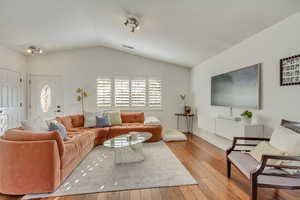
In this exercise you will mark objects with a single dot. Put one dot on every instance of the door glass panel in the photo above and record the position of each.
(45, 98)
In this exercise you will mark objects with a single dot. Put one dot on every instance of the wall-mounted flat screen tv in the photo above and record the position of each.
(237, 89)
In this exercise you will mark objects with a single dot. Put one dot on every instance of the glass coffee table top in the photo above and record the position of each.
(126, 140)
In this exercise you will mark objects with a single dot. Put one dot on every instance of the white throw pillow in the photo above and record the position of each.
(90, 119)
(291, 163)
(152, 121)
(36, 124)
(286, 140)
(265, 148)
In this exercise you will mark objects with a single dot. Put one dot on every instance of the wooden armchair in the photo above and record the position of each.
(262, 174)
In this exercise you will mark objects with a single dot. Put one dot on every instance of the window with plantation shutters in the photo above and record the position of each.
(138, 93)
(154, 93)
(129, 93)
(104, 92)
(122, 92)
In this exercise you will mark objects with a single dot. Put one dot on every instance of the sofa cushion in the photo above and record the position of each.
(136, 127)
(71, 152)
(81, 142)
(66, 121)
(132, 117)
(101, 135)
(77, 120)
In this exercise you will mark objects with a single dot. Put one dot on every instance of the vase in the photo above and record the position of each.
(187, 109)
(246, 120)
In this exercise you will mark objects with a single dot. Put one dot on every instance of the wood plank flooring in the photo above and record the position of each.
(207, 164)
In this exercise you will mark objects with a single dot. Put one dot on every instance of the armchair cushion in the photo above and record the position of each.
(244, 162)
(265, 148)
(277, 180)
(286, 140)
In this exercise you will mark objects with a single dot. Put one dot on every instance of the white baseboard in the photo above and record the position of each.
(214, 139)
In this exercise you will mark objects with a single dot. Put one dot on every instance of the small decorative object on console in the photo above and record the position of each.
(187, 108)
(290, 71)
(247, 117)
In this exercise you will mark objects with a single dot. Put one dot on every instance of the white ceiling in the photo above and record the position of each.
(183, 32)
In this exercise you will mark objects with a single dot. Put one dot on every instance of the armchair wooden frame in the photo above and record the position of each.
(263, 164)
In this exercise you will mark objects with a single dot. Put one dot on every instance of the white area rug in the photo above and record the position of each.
(98, 173)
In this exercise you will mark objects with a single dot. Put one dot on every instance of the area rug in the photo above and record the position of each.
(98, 173)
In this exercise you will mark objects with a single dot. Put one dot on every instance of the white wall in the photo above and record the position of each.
(268, 47)
(81, 67)
(17, 62)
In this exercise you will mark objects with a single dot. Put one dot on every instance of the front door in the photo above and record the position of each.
(46, 96)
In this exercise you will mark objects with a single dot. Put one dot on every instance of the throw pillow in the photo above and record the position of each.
(49, 121)
(115, 117)
(152, 121)
(102, 121)
(291, 163)
(36, 124)
(265, 148)
(60, 128)
(29, 125)
(90, 119)
(286, 140)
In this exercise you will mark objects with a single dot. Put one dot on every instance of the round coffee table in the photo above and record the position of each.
(128, 148)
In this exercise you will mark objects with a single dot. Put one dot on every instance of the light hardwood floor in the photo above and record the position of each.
(207, 164)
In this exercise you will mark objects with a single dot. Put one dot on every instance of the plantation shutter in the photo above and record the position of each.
(138, 93)
(122, 93)
(104, 92)
(154, 93)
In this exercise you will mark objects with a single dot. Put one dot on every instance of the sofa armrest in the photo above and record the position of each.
(29, 167)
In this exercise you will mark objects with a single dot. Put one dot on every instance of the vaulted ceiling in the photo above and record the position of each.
(184, 32)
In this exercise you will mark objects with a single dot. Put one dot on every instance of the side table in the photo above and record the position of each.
(189, 121)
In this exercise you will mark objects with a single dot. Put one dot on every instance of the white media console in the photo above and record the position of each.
(229, 127)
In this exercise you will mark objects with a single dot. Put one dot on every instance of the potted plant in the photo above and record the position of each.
(247, 117)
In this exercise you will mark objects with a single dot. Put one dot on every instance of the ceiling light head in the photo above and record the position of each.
(33, 50)
(132, 23)
(127, 47)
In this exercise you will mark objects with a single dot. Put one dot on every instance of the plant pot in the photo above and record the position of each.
(246, 120)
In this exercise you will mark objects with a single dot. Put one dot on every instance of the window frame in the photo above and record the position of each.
(130, 107)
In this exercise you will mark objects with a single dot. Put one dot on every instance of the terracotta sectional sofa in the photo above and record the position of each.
(40, 162)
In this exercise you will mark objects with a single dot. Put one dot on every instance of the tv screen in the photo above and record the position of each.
(240, 88)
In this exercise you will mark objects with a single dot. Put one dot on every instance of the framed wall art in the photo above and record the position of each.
(290, 71)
